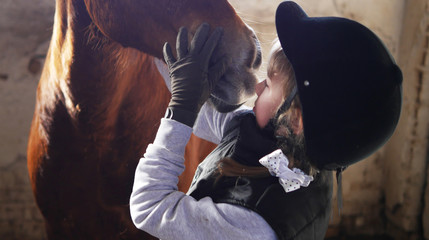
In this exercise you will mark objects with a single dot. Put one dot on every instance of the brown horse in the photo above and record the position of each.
(100, 99)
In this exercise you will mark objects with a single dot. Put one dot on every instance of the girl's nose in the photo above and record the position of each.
(259, 88)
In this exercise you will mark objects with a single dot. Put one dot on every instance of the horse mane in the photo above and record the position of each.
(95, 37)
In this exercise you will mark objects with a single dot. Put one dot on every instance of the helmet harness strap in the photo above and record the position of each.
(286, 105)
(340, 170)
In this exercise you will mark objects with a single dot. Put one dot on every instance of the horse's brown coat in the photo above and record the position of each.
(99, 102)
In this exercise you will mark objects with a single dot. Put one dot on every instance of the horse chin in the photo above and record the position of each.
(222, 106)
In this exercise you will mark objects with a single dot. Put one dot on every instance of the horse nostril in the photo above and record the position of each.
(258, 60)
(258, 56)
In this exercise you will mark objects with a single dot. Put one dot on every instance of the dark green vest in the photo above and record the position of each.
(301, 214)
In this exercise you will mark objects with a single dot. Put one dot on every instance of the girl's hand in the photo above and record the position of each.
(192, 79)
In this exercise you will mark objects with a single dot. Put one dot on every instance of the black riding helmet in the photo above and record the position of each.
(348, 84)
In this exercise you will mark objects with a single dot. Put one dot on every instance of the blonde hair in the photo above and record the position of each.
(279, 63)
(229, 167)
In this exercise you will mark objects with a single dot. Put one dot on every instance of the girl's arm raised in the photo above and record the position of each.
(158, 208)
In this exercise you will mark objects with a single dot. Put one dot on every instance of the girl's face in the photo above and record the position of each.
(271, 95)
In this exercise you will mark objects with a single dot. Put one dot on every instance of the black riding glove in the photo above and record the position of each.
(192, 79)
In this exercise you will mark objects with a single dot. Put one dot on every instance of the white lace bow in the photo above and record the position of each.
(291, 179)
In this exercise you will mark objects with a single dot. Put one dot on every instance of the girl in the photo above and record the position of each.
(319, 106)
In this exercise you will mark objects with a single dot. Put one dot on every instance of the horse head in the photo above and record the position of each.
(147, 25)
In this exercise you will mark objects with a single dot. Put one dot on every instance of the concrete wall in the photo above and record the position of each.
(385, 194)
(406, 159)
(25, 29)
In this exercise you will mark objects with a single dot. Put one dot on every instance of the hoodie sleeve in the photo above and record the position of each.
(211, 124)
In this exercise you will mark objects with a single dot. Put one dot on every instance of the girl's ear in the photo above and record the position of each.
(296, 121)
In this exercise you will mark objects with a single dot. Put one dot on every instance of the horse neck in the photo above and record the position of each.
(93, 76)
